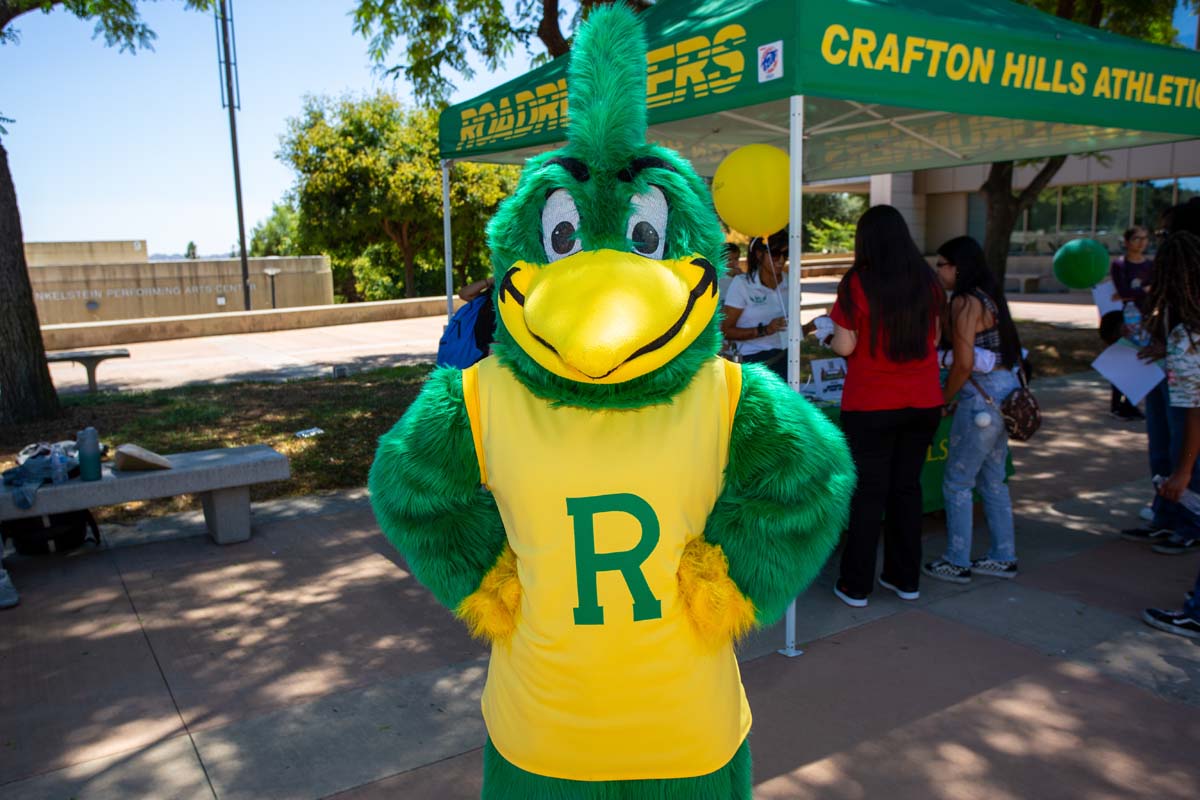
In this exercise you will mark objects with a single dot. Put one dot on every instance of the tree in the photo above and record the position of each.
(826, 216)
(437, 37)
(190, 250)
(368, 186)
(26, 390)
(278, 234)
(1142, 19)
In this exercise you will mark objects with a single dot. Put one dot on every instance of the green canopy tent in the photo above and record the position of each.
(856, 87)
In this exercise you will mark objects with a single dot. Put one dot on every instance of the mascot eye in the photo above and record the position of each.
(560, 226)
(648, 223)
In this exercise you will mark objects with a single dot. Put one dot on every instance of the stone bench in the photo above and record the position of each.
(89, 359)
(1027, 282)
(222, 478)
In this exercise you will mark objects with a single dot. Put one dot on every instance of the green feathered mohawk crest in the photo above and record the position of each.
(596, 199)
(606, 89)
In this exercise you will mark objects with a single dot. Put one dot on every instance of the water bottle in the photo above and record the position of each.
(88, 442)
(1133, 323)
(58, 465)
(1189, 499)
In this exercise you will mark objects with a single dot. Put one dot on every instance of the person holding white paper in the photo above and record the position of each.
(1132, 277)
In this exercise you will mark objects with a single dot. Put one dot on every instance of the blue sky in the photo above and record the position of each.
(108, 145)
(112, 146)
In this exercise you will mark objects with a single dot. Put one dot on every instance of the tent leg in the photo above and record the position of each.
(789, 645)
(795, 248)
(449, 247)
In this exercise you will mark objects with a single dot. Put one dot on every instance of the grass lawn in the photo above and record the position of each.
(354, 412)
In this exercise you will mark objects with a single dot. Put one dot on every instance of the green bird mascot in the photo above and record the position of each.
(605, 500)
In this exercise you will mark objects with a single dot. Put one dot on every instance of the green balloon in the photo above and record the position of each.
(1081, 263)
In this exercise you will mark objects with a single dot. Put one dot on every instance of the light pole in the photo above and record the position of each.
(227, 58)
(271, 272)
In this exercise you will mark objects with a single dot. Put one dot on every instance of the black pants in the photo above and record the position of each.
(889, 450)
(775, 359)
(1119, 404)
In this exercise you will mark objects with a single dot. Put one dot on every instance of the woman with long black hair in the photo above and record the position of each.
(979, 318)
(887, 322)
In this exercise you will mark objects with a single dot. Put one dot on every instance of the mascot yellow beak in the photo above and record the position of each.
(607, 316)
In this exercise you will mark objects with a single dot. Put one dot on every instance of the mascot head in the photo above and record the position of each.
(605, 286)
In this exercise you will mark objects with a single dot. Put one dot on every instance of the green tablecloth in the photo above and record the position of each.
(935, 461)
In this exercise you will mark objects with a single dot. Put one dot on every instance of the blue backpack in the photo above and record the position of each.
(458, 346)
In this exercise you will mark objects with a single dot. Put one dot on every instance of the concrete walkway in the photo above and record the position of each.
(307, 663)
(312, 352)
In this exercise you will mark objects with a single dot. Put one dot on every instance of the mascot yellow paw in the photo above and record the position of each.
(490, 612)
(717, 608)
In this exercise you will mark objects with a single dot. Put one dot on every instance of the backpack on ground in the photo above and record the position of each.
(459, 346)
(51, 533)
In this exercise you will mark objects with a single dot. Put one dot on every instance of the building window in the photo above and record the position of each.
(1188, 188)
(1153, 198)
(1114, 210)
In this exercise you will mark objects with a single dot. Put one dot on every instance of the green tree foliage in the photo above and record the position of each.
(26, 391)
(831, 236)
(826, 217)
(190, 250)
(278, 234)
(368, 192)
(435, 38)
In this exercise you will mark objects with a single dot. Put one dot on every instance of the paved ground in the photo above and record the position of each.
(307, 663)
(309, 352)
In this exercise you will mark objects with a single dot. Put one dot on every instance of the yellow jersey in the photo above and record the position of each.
(604, 677)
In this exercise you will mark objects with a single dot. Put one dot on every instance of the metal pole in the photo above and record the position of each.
(449, 248)
(272, 291)
(795, 249)
(795, 233)
(237, 172)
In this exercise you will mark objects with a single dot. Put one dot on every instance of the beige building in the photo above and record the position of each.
(103, 281)
(1097, 197)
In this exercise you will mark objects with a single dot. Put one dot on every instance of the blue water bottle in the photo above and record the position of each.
(1133, 323)
(58, 465)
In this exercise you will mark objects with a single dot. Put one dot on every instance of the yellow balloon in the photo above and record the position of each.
(750, 189)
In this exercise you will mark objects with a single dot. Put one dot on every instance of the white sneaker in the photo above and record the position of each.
(8, 592)
(903, 595)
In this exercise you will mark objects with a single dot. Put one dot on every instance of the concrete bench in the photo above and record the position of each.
(89, 359)
(222, 478)
(1027, 282)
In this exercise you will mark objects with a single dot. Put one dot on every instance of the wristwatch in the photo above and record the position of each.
(762, 330)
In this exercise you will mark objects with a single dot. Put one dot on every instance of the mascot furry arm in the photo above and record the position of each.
(604, 499)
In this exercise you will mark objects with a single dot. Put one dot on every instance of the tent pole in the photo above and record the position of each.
(449, 247)
(795, 248)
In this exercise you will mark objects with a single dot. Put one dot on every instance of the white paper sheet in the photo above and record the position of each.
(1102, 294)
(1123, 369)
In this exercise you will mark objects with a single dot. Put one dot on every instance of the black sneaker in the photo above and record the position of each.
(1146, 533)
(1176, 545)
(852, 599)
(943, 570)
(1175, 622)
(995, 569)
(901, 593)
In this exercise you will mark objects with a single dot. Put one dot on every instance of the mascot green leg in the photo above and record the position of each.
(504, 781)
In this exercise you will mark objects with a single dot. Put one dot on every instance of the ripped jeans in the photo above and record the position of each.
(976, 461)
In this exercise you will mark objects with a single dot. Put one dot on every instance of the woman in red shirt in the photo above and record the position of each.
(888, 319)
